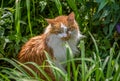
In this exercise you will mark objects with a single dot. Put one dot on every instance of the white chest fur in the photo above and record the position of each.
(58, 46)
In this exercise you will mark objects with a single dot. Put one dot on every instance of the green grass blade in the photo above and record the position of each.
(77, 72)
(109, 68)
(59, 6)
(33, 8)
(17, 67)
(29, 69)
(34, 73)
(70, 57)
(73, 63)
(41, 70)
(58, 72)
(117, 60)
(116, 76)
(82, 48)
(98, 60)
(5, 78)
(2, 4)
(17, 18)
(91, 70)
(14, 74)
(72, 4)
(13, 63)
(68, 64)
(28, 14)
(102, 4)
(63, 75)
(101, 74)
(96, 47)
(105, 62)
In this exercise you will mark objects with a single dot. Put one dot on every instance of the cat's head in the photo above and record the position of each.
(64, 27)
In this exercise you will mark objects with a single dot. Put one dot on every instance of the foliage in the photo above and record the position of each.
(89, 69)
(22, 19)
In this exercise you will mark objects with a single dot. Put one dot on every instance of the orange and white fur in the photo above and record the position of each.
(60, 30)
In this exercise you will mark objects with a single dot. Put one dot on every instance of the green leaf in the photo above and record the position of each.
(28, 14)
(82, 47)
(116, 77)
(109, 68)
(42, 5)
(102, 4)
(59, 6)
(4, 77)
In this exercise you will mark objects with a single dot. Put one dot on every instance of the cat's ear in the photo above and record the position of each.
(71, 17)
(50, 21)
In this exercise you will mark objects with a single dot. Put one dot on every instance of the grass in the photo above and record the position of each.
(17, 18)
(28, 14)
(59, 6)
(99, 58)
(89, 69)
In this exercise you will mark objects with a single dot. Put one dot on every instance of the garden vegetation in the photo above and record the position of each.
(99, 21)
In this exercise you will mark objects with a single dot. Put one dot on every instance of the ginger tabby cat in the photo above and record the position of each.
(60, 30)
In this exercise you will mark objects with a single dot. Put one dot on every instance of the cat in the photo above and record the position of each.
(60, 30)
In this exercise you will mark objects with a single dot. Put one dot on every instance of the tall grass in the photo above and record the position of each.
(82, 47)
(17, 19)
(59, 6)
(28, 14)
(98, 61)
(88, 70)
(92, 68)
(71, 62)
